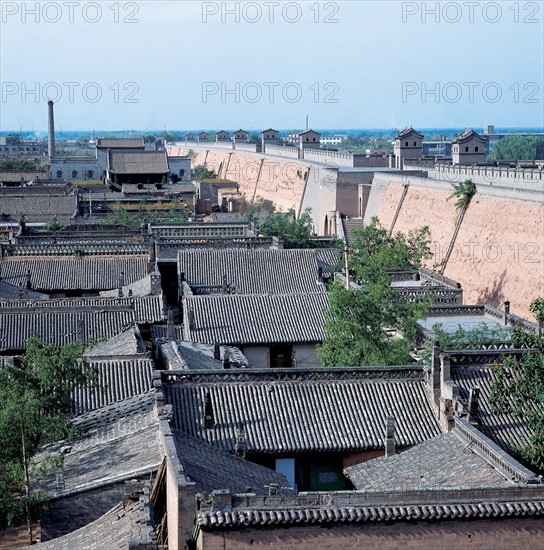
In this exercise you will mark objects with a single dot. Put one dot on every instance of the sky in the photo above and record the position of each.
(151, 65)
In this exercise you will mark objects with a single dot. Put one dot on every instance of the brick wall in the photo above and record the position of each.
(507, 534)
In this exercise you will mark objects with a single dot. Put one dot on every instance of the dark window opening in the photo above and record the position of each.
(281, 356)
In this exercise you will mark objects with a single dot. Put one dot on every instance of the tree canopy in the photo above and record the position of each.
(35, 401)
(295, 232)
(518, 389)
(518, 148)
(363, 326)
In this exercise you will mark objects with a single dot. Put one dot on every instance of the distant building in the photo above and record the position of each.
(190, 137)
(332, 140)
(468, 148)
(137, 167)
(241, 136)
(203, 136)
(408, 146)
(222, 136)
(441, 149)
(309, 139)
(12, 147)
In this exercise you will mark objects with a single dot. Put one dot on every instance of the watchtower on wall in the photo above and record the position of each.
(408, 146)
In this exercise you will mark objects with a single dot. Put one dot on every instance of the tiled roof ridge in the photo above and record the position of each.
(501, 461)
(359, 514)
(318, 374)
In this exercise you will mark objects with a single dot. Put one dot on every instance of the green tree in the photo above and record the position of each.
(463, 192)
(35, 401)
(202, 173)
(295, 232)
(518, 148)
(518, 389)
(362, 326)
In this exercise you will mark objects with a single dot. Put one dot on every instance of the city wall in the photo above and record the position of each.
(285, 182)
(499, 251)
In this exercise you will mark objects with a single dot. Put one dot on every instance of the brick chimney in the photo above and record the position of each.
(241, 446)
(390, 436)
(209, 421)
(50, 131)
(473, 400)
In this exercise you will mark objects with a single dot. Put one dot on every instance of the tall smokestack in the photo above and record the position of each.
(51, 131)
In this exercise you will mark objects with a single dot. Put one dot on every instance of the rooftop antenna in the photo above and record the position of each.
(306, 122)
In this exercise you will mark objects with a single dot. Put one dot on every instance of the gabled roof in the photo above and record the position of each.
(240, 131)
(309, 131)
(142, 287)
(120, 143)
(297, 410)
(120, 442)
(13, 292)
(466, 135)
(270, 130)
(117, 379)
(69, 273)
(213, 469)
(409, 132)
(222, 132)
(239, 319)
(74, 319)
(447, 460)
(138, 162)
(115, 530)
(129, 342)
(203, 134)
(255, 271)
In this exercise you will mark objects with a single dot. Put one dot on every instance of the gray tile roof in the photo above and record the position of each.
(120, 442)
(112, 531)
(138, 162)
(141, 287)
(70, 248)
(256, 271)
(129, 342)
(85, 273)
(444, 461)
(39, 207)
(213, 469)
(120, 143)
(255, 319)
(348, 507)
(407, 132)
(296, 411)
(194, 356)
(117, 379)
(466, 135)
(69, 320)
(13, 292)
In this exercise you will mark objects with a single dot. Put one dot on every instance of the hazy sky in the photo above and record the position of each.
(211, 65)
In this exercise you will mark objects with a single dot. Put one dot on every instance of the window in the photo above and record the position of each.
(74, 173)
(466, 149)
(476, 149)
(415, 143)
(59, 173)
(181, 173)
(314, 139)
(90, 173)
(406, 144)
(281, 356)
